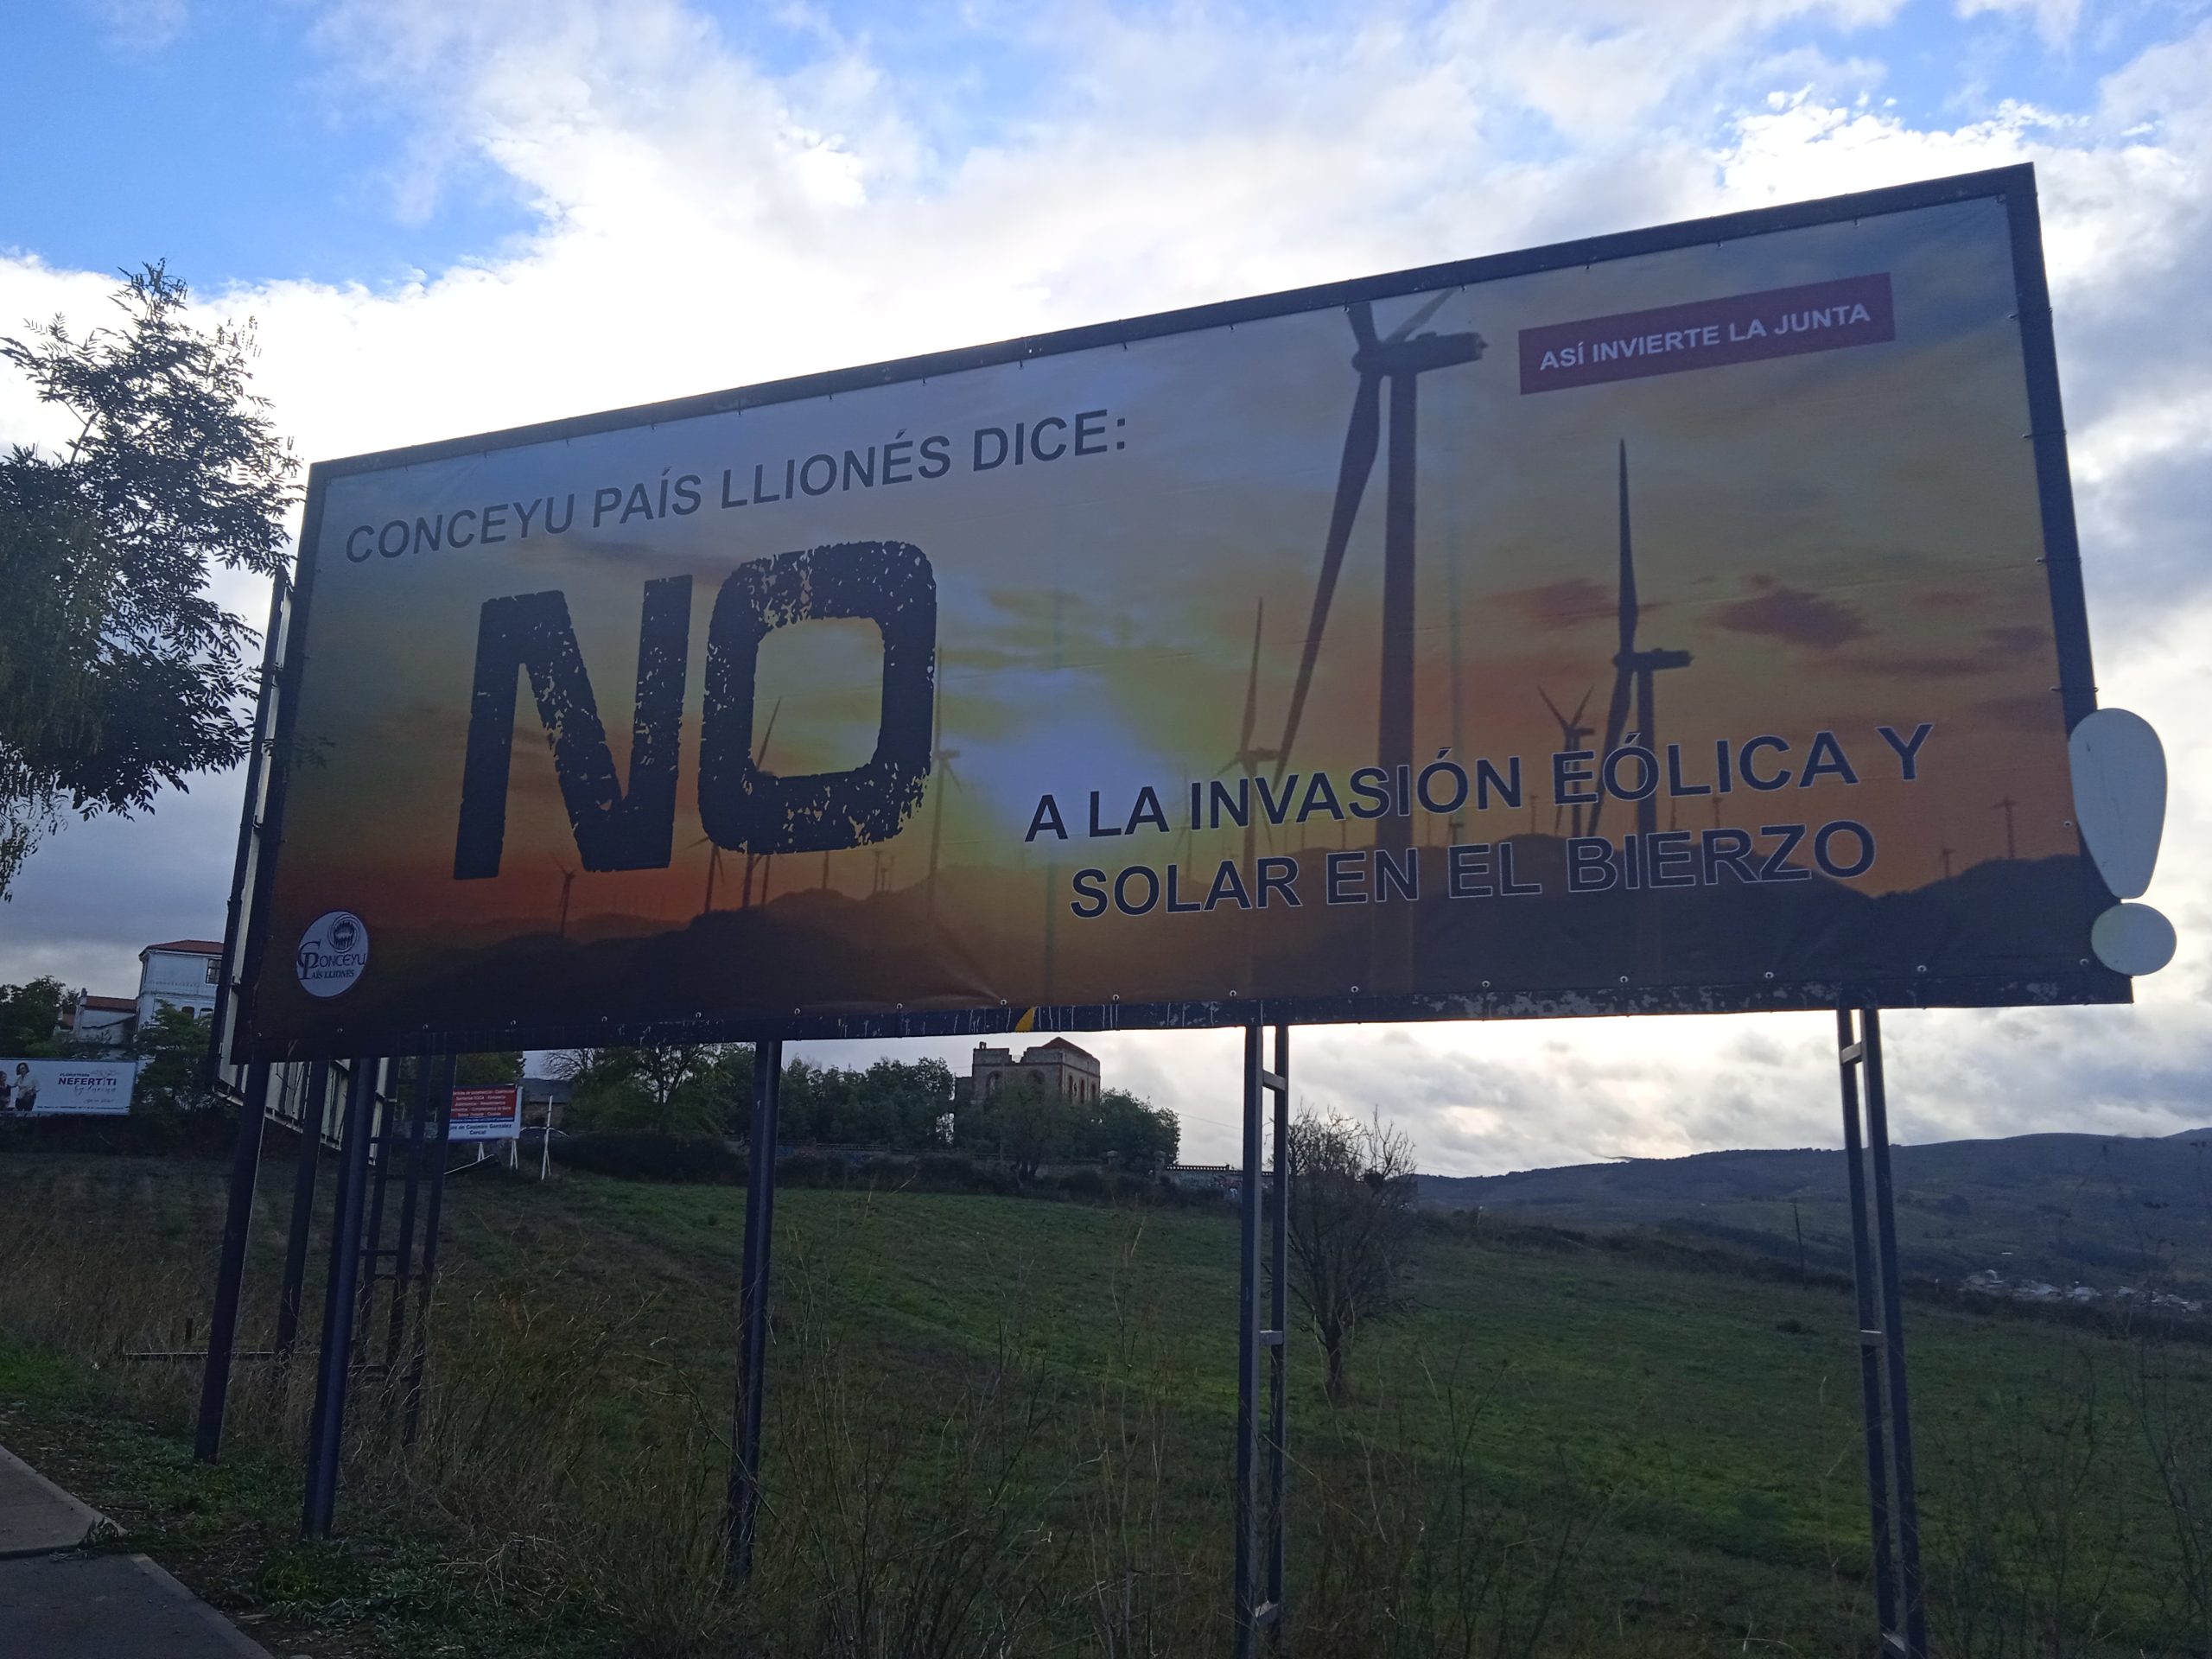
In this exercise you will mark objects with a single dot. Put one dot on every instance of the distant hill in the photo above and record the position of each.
(2093, 1209)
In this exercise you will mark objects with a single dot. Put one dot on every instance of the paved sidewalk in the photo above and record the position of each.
(60, 1603)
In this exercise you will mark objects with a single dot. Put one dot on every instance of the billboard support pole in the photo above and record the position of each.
(326, 1428)
(744, 1509)
(403, 1260)
(373, 1250)
(229, 1273)
(1259, 1588)
(442, 1100)
(314, 1102)
(1892, 1495)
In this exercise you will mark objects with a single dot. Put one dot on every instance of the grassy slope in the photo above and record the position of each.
(1721, 1412)
(1703, 1426)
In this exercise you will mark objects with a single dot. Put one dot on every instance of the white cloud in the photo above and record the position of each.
(2054, 19)
(705, 221)
(141, 25)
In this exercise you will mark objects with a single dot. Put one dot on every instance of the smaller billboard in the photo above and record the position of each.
(486, 1114)
(66, 1088)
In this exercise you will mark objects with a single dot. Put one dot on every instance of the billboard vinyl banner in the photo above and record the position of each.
(66, 1088)
(1685, 619)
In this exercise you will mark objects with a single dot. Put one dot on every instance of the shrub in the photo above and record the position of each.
(160, 1133)
(808, 1169)
(1084, 1183)
(644, 1155)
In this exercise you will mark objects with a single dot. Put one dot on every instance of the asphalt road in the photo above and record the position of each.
(66, 1595)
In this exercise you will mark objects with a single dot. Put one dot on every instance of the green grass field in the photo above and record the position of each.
(1006, 1425)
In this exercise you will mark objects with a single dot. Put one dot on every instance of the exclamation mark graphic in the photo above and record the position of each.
(2119, 801)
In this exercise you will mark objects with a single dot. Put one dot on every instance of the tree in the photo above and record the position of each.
(1352, 1195)
(667, 1089)
(896, 1104)
(173, 1048)
(119, 671)
(1135, 1133)
(1023, 1123)
(30, 1019)
(492, 1070)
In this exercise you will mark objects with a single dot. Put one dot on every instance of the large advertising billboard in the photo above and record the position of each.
(66, 1088)
(1686, 620)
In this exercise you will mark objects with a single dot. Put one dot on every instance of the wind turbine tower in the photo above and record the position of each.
(568, 880)
(1633, 671)
(943, 758)
(1247, 758)
(760, 754)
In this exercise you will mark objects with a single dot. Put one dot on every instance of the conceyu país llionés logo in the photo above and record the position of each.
(334, 953)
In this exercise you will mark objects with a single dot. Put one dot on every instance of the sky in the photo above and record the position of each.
(445, 219)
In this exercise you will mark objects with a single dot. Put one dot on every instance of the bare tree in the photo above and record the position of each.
(1351, 1193)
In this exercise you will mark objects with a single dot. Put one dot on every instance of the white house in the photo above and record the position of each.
(107, 1021)
(180, 974)
(176, 974)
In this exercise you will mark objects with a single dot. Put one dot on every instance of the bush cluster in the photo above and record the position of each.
(645, 1155)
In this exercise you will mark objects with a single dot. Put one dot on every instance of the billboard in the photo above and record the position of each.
(1688, 619)
(485, 1114)
(66, 1088)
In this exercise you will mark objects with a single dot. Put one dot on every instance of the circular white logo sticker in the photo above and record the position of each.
(332, 953)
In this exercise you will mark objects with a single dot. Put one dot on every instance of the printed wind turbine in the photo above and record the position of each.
(1401, 357)
(1572, 731)
(760, 754)
(1247, 758)
(943, 758)
(568, 880)
(714, 857)
(1633, 671)
(713, 869)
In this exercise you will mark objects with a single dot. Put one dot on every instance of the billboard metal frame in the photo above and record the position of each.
(2013, 186)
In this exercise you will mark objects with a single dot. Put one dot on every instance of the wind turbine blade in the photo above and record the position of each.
(1419, 317)
(1252, 685)
(1362, 439)
(761, 753)
(1554, 707)
(1628, 564)
(1362, 324)
(1589, 693)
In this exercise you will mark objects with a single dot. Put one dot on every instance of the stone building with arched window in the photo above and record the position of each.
(1055, 1067)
